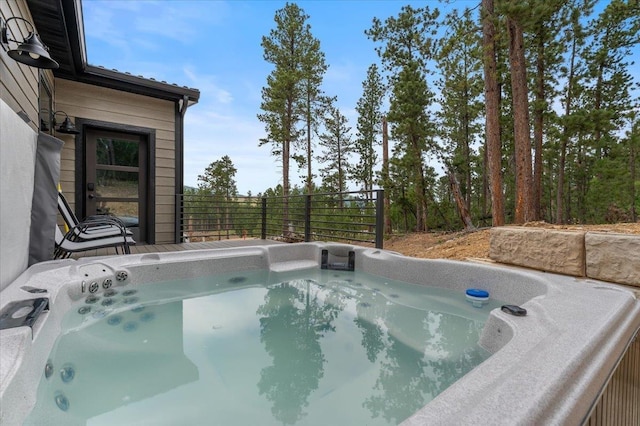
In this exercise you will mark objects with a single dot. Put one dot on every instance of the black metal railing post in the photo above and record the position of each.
(360, 219)
(264, 218)
(379, 218)
(307, 218)
(178, 234)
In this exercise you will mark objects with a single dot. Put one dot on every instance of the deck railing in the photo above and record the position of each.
(355, 217)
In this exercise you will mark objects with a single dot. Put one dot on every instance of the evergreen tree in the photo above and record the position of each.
(548, 19)
(313, 102)
(369, 123)
(608, 101)
(516, 15)
(294, 53)
(460, 63)
(219, 179)
(337, 146)
(407, 51)
(574, 37)
(407, 38)
(412, 130)
(492, 111)
(633, 143)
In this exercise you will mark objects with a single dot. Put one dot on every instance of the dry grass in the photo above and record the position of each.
(465, 245)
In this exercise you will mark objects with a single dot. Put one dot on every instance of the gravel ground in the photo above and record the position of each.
(475, 244)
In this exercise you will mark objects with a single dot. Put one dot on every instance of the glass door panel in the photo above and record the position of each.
(116, 177)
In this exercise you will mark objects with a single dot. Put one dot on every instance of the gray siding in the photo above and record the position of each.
(18, 82)
(113, 106)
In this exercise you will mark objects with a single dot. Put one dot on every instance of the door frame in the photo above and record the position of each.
(83, 125)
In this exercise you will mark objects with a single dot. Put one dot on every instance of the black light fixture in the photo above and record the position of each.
(45, 119)
(30, 51)
(66, 126)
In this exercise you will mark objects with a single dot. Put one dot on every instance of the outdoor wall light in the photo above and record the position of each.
(30, 51)
(66, 126)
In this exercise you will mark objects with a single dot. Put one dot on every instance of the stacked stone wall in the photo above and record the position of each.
(598, 255)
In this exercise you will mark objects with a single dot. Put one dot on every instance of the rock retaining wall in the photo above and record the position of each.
(598, 255)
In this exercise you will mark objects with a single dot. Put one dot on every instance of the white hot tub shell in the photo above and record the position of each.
(548, 367)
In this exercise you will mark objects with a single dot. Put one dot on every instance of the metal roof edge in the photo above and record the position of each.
(137, 84)
(73, 22)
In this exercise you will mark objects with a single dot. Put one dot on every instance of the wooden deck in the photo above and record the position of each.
(158, 248)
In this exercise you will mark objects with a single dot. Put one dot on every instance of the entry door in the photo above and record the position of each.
(116, 178)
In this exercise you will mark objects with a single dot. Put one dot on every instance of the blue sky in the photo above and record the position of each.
(214, 46)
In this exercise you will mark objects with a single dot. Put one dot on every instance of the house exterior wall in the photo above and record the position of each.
(80, 100)
(19, 82)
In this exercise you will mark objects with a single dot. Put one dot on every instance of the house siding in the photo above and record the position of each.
(19, 82)
(80, 100)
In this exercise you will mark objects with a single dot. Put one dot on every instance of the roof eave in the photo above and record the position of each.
(63, 20)
(127, 82)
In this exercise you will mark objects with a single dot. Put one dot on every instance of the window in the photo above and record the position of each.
(45, 106)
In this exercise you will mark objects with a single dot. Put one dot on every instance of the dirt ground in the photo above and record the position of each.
(475, 244)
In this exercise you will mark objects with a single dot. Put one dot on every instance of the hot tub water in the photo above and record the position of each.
(310, 347)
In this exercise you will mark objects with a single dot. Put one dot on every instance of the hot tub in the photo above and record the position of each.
(547, 367)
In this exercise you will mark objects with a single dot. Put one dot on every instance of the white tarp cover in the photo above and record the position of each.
(17, 165)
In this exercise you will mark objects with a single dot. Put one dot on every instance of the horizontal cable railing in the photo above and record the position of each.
(347, 217)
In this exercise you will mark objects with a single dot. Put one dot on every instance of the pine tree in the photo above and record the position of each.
(407, 51)
(548, 19)
(313, 102)
(574, 38)
(516, 16)
(633, 143)
(407, 38)
(608, 100)
(412, 130)
(292, 50)
(218, 181)
(460, 64)
(337, 146)
(492, 114)
(369, 123)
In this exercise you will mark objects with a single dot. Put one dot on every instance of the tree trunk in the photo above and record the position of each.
(581, 184)
(285, 176)
(492, 100)
(419, 185)
(340, 176)
(560, 213)
(633, 139)
(522, 137)
(463, 211)
(538, 124)
(597, 102)
(309, 153)
(467, 151)
(385, 177)
(421, 210)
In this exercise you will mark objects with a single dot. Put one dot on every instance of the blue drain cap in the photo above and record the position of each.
(476, 292)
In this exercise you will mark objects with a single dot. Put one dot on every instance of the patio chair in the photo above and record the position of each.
(87, 236)
(103, 225)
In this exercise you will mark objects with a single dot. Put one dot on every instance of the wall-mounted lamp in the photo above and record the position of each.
(66, 126)
(43, 125)
(30, 51)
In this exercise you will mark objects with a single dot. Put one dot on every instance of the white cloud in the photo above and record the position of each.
(114, 22)
(213, 130)
(208, 86)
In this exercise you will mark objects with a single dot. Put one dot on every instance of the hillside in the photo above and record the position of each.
(465, 245)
